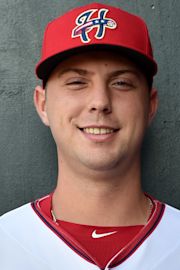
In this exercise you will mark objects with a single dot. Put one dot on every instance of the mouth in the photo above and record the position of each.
(102, 131)
(98, 130)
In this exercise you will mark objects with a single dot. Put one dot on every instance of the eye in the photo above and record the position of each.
(122, 84)
(76, 83)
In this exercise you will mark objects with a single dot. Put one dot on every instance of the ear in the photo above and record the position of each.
(153, 105)
(40, 104)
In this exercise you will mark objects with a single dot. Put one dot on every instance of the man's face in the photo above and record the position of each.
(98, 107)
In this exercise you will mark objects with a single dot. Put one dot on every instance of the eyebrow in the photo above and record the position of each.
(124, 71)
(76, 70)
(84, 72)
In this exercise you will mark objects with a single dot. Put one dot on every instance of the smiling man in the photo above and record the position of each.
(97, 70)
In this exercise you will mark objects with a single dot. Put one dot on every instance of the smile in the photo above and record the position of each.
(98, 131)
(99, 134)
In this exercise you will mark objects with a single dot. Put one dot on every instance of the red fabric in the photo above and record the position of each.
(124, 30)
(101, 249)
(104, 248)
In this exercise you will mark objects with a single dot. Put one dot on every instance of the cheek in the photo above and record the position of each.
(62, 111)
(133, 111)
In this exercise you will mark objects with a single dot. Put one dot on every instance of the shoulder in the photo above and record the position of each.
(22, 220)
(15, 221)
(167, 231)
(165, 240)
(16, 215)
(17, 245)
(170, 220)
(172, 214)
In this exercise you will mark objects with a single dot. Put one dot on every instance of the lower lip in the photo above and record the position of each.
(99, 137)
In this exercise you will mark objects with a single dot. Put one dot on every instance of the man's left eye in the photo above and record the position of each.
(122, 84)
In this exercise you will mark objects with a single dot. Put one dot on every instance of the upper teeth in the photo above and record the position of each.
(98, 130)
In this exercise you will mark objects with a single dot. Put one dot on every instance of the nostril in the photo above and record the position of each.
(104, 109)
(93, 109)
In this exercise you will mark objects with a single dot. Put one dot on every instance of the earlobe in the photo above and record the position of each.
(153, 106)
(40, 104)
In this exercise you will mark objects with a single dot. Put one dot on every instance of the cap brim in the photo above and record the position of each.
(147, 65)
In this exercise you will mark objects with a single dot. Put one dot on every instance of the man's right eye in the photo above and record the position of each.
(76, 84)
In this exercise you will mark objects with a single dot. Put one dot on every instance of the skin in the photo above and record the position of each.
(99, 180)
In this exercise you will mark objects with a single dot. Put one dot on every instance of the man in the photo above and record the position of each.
(97, 69)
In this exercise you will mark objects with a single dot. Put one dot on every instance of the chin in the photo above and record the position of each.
(101, 165)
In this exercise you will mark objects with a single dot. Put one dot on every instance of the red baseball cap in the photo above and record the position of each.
(96, 26)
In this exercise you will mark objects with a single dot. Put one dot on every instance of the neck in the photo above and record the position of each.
(102, 199)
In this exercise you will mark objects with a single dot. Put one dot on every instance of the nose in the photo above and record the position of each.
(100, 99)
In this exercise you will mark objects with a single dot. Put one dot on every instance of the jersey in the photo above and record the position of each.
(97, 243)
(29, 240)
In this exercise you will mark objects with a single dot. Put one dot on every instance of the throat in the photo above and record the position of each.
(105, 209)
